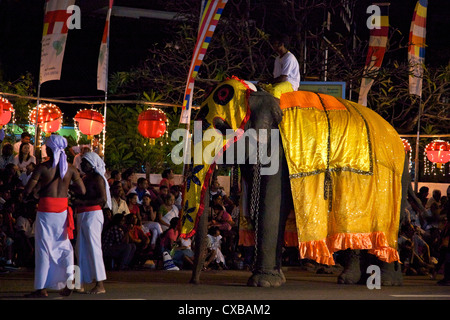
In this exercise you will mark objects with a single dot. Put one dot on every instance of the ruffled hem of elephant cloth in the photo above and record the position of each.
(322, 251)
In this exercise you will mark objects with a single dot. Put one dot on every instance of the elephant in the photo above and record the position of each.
(339, 165)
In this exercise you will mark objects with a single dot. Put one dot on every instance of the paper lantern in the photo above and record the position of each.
(406, 145)
(49, 118)
(152, 123)
(438, 151)
(90, 122)
(6, 109)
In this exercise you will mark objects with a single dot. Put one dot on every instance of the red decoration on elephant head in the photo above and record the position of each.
(6, 108)
(49, 117)
(90, 122)
(152, 123)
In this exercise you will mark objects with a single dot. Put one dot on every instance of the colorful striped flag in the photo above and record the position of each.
(54, 37)
(102, 68)
(377, 48)
(416, 49)
(212, 11)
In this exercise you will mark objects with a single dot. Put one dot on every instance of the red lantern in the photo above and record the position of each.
(152, 123)
(49, 118)
(90, 122)
(6, 109)
(438, 151)
(406, 145)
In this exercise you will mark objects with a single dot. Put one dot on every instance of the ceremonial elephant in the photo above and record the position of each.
(337, 164)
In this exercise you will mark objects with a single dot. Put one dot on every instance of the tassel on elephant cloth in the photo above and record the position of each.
(345, 165)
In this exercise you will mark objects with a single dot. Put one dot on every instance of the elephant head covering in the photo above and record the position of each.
(99, 166)
(58, 144)
(226, 107)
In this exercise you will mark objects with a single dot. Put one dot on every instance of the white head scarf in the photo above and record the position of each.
(99, 166)
(58, 144)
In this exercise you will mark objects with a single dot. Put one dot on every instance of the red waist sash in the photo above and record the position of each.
(88, 208)
(49, 204)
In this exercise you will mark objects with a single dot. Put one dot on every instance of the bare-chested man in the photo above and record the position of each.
(54, 223)
(90, 221)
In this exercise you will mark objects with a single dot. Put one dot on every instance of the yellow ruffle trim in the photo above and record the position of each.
(322, 251)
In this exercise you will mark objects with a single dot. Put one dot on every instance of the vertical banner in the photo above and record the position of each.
(377, 48)
(54, 37)
(102, 68)
(416, 48)
(210, 17)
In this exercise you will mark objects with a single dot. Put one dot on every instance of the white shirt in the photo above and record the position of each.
(23, 166)
(119, 207)
(287, 66)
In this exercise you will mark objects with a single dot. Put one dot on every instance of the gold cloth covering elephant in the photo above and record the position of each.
(345, 166)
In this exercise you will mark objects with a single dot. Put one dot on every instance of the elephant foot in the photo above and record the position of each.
(391, 274)
(352, 269)
(273, 278)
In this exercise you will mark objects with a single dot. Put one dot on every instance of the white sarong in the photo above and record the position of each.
(89, 246)
(54, 253)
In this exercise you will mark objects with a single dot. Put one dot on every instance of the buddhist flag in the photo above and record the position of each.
(54, 37)
(377, 48)
(102, 68)
(212, 11)
(416, 48)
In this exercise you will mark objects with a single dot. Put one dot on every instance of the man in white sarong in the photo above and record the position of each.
(54, 223)
(89, 210)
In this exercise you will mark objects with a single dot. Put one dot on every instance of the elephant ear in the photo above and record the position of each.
(265, 110)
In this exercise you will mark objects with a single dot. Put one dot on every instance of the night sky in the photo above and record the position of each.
(21, 32)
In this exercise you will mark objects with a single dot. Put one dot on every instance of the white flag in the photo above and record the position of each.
(54, 37)
(102, 68)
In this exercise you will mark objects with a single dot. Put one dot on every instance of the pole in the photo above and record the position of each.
(416, 158)
(36, 126)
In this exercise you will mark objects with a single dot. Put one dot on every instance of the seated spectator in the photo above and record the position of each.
(115, 176)
(183, 256)
(127, 180)
(24, 237)
(139, 238)
(133, 205)
(118, 204)
(150, 224)
(167, 178)
(26, 175)
(167, 211)
(24, 157)
(7, 155)
(215, 241)
(170, 236)
(176, 191)
(140, 189)
(156, 203)
(116, 244)
(221, 218)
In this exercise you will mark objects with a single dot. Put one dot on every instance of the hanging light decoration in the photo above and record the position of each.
(90, 122)
(152, 123)
(408, 149)
(438, 153)
(6, 110)
(49, 118)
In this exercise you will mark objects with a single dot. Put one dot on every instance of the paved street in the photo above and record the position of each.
(230, 285)
(224, 294)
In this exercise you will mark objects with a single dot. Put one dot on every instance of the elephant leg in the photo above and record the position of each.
(391, 273)
(274, 209)
(351, 260)
(200, 244)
